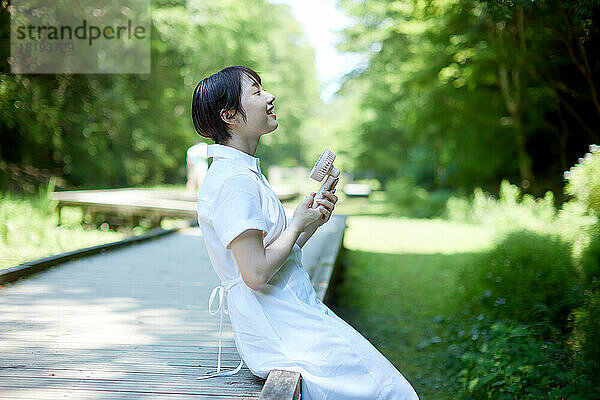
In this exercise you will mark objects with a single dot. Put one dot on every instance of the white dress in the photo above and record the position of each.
(285, 325)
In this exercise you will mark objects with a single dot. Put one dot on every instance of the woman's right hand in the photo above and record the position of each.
(306, 218)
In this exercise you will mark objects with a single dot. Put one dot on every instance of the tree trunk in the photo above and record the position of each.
(511, 93)
(512, 102)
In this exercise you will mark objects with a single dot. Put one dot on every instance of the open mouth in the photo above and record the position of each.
(270, 111)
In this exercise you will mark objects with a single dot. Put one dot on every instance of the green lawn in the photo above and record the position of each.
(29, 229)
(399, 282)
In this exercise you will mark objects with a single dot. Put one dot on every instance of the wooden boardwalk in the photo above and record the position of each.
(130, 204)
(130, 323)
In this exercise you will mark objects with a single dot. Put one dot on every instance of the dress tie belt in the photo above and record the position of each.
(221, 291)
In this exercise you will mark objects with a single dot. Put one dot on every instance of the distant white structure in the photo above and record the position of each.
(197, 165)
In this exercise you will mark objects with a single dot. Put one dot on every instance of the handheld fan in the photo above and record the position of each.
(324, 168)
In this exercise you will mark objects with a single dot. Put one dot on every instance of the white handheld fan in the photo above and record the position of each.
(324, 168)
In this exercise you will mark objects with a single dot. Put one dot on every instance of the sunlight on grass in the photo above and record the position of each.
(29, 231)
(399, 282)
(415, 236)
(375, 204)
(29, 227)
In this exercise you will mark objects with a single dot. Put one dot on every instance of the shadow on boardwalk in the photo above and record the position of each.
(130, 323)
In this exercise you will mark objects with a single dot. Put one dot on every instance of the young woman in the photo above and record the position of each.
(277, 319)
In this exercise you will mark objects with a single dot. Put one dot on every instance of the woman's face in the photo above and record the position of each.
(258, 105)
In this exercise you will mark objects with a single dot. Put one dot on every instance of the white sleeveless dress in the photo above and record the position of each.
(284, 325)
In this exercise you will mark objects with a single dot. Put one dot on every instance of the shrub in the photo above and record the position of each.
(404, 194)
(590, 260)
(528, 277)
(575, 225)
(509, 361)
(587, 326)
(414, 201)
(511, 210)
(435, 204)
(583, 182)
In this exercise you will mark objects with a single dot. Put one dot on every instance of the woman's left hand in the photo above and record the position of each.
(327, 204)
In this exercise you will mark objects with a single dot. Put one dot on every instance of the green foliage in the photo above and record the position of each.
(590, 260)
(405, 194)
(333, 126)
(28, 229)
(455, 356)
(97, 130)
(512, 210)
(587, 326)
(528, 277)
(464, 93)
(504, 361)
(395, 291)
(583, 180)
(414, 201)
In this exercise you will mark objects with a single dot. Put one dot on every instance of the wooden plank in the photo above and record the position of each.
(130, 323)
(105, 371)
(181, 384)
(51, 393)
(281, 385)
(95, 367)
(138, 202)
(20, 271)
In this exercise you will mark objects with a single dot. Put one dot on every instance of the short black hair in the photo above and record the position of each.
(220, 91)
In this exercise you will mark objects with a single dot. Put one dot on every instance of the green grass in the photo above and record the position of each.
(399, 282)
(376, 204)
(29, 228)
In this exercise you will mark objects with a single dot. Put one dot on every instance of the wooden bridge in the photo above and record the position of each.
(131, 323)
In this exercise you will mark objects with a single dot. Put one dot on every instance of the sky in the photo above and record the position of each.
(322, 22)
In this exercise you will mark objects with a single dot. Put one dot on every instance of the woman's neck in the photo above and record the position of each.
(241, 144)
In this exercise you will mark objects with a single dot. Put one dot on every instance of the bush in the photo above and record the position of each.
(587, 326)
(590, 260)
(404, 194)
(509, 361)
(583, 182)
(435, 204)
(414, 201)
(512, 210)
(528, 277)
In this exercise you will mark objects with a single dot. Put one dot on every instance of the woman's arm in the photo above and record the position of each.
(258, 264)
(304, 236)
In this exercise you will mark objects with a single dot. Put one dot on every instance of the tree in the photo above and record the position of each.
(100, 130)
(465, 93)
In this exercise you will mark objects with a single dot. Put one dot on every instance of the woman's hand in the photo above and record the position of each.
(258, 264)
(327, 204)
(307, 219)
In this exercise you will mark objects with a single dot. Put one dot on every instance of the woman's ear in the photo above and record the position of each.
(229, 117)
